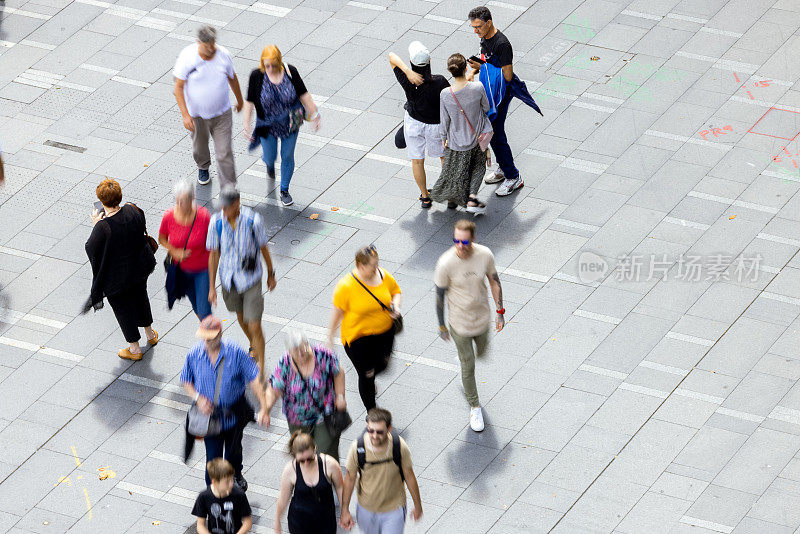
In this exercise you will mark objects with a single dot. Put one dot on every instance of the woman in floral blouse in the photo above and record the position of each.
(309, 380)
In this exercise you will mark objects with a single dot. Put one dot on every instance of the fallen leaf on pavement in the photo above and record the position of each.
(334, 208)
(732, 217)
(314, 216)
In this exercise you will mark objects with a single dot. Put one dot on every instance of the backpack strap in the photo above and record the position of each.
(397, 454)
(361, 453)
(361, 456)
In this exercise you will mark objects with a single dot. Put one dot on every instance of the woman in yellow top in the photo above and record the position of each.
(367, 327)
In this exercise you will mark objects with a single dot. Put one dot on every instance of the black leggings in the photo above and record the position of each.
(370, 356)
(132, 309)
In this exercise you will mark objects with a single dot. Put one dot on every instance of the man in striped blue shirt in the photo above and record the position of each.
(199, 379)
(236, 235)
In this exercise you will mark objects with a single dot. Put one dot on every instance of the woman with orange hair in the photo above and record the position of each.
(282, 102)
(122, 259)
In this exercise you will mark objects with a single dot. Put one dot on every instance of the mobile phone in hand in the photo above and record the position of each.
(476, 59)
(98, 206)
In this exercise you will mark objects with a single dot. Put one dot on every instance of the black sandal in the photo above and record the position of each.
(476, 206)
(451, 205)
(426, 202)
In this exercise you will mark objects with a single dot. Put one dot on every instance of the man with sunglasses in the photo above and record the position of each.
(382, 475)
(460, 273)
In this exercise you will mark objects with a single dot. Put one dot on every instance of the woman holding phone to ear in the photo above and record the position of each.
(121, 260)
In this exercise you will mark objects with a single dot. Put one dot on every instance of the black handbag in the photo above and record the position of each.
(169, 263)
(397, 322)
(335, 422)
(174, 284)
(400, 138)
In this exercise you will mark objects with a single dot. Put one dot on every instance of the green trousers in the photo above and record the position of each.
(466, 355)
(326, 444)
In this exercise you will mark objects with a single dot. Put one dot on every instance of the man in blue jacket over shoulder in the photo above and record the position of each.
(497, 53)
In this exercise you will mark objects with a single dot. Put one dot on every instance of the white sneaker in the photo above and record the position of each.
(476, 419)
(509, 186)
(495, 178)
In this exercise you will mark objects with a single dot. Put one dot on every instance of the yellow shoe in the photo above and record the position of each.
(126, 354)
(153, 341)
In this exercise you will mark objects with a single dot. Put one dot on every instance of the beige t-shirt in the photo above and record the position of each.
(381, 489)
(467, 297)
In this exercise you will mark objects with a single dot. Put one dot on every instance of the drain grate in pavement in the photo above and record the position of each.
(65, 146)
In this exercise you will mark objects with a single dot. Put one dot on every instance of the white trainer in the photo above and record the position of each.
(476, 419)
(509, 186)
(495, 178)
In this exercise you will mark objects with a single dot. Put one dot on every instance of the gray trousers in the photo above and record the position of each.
(220, 129)
(393, 522)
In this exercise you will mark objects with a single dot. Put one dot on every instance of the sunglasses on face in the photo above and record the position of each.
(462, 241)
(376, 432)
(308, 460)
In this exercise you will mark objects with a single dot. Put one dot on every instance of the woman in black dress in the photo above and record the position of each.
(309, 480)
(121, 259)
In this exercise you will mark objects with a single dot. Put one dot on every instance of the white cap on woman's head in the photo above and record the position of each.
(419, 54)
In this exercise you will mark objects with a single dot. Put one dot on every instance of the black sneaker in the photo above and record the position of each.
(286, 198)
(203, 177)
(241, 482)
(271, 173)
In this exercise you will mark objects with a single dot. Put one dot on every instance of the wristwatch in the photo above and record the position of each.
(501, 311)
(442, 328)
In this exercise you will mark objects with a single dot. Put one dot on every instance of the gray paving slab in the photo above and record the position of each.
(687, 385)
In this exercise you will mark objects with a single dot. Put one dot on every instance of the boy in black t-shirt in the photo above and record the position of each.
(223, 508)
(496, 49)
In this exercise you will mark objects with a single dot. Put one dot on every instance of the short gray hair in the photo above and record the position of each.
(183, 188)
(294, 339)
(207, 34)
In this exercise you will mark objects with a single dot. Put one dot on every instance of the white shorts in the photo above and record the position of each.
(421, 138)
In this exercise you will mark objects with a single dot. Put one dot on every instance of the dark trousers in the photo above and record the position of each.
(132, 309)
(499, 142)
(227, 445)
(370, 356)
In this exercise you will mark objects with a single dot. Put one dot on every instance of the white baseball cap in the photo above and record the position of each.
(419, 54)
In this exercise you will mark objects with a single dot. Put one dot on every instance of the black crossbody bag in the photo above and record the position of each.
(397, 322)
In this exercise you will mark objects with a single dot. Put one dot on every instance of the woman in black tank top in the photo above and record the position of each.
(312, 509)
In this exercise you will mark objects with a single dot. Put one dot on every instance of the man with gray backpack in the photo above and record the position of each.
(379, 462)
(235, 240)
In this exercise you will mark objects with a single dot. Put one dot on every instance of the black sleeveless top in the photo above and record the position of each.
(312, 510)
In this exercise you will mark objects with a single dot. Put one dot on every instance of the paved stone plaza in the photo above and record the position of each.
(646, 380)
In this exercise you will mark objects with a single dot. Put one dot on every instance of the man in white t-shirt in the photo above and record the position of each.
(461, 273)
(203, 73)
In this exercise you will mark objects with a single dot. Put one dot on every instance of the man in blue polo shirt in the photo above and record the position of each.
(199, 379)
